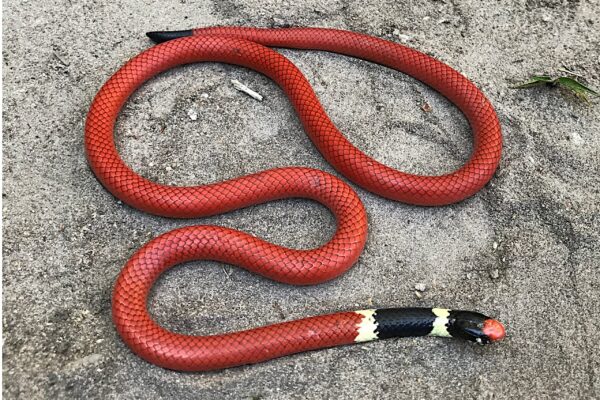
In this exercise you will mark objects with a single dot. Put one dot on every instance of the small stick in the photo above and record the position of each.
(243, 88)
(225, 272)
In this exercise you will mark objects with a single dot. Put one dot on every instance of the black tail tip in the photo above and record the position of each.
(163, 36)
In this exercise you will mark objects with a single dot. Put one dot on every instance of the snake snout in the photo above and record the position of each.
(476, 327)
(494, 330)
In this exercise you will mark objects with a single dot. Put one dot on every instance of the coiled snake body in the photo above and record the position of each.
(246, 47)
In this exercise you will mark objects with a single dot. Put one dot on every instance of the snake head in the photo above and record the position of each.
(475, 327)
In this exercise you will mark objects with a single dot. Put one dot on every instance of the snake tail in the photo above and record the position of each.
(163, 36)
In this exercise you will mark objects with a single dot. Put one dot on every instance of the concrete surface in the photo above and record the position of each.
(525, 249)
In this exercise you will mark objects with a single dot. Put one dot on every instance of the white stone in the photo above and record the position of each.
(193, 114)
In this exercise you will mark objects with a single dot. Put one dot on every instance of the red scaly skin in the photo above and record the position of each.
(245, 47)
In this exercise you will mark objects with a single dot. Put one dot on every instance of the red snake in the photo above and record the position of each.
(246, 47)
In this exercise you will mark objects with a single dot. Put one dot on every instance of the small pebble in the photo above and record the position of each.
(495, 245)
(418, 294)
(193, 114)
(576, 138)
(421, 287)
(426, 107)
(402, 36)
(495, 274)
(84, 362)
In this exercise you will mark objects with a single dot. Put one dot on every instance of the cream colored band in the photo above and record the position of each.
(367, 327)
(440, 325)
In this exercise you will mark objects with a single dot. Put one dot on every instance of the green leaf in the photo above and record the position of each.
(577, 88)
(535, 81)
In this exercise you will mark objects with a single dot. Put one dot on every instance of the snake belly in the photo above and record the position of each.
(247, 47)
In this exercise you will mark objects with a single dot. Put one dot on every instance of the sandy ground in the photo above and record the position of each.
(525, 249)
